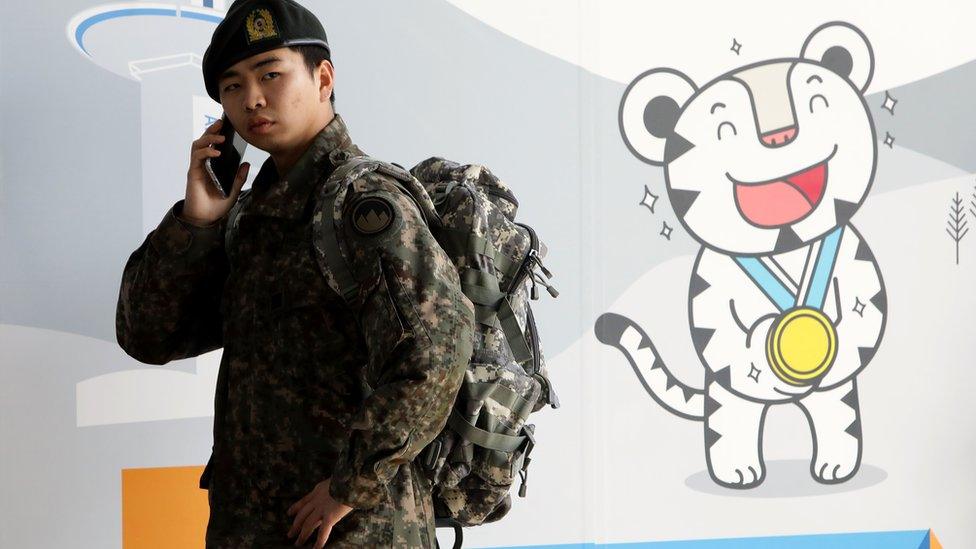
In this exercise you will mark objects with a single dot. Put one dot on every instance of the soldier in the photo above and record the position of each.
(322, 402)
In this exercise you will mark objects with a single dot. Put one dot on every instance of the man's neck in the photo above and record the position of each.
(284, 161)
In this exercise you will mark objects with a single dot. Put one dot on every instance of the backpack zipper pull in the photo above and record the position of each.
(549, 287)
(538, 262)
(535, 290)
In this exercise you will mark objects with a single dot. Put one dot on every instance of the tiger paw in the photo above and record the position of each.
(837, 465)
(741, 475)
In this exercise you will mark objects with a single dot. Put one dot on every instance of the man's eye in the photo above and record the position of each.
(227, 88)
(270, 73)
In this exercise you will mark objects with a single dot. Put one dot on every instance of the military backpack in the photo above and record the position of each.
(475, 460)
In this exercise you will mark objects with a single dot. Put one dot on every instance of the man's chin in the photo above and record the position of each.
(263, 143)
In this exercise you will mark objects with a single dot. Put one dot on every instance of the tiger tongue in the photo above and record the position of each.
(810, 182)
(772, 204)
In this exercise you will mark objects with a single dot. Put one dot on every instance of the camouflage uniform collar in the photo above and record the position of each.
(287, 197)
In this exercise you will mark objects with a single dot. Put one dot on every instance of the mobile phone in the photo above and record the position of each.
(223, 169)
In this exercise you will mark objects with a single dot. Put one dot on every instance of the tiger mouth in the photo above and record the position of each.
(783, 200)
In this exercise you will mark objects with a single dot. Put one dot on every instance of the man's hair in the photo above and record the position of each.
(313, 56)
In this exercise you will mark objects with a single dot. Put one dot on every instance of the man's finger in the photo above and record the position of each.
(310, 525)
(300, 518)
(324, 532)
(298, 504)
(239, 181)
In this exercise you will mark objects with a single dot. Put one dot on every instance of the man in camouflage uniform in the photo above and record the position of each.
(322, 402)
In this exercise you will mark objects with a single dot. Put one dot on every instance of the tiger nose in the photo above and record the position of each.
(779, 138)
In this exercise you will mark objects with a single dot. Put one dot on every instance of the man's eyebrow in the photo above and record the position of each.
(229, 73)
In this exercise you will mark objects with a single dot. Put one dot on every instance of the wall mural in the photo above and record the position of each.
(794, 187)
(765, 166)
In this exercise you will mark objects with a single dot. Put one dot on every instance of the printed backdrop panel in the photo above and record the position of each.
(758, 225)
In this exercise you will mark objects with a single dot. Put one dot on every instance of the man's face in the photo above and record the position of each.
(275, 86)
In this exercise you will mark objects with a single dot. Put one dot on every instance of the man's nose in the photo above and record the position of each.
(780, 137)
(254, 99)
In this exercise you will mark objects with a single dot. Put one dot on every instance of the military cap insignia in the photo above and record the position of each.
(372, 215)
(260, 25)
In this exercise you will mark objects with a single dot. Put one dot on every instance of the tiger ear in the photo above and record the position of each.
(649, 111)
(843, 49)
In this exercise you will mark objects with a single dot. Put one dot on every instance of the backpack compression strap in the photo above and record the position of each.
(491, 304)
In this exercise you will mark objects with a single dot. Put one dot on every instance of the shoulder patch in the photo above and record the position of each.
(372, 215)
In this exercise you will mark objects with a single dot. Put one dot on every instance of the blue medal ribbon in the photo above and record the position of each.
(779, 294)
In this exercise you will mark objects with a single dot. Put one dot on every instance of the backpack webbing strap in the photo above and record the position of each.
(504, 264)
(352, 168)
(485, 439)
(345, 282)
(513, 333)
(481, 287)
(501, 394)
(486, 316)
(461, 242)
(492, 308)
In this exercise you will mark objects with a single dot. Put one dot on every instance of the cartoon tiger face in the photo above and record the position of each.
(765, 158)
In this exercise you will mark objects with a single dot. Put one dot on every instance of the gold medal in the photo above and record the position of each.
(801, 346)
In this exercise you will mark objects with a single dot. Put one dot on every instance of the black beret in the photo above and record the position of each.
(255, 26)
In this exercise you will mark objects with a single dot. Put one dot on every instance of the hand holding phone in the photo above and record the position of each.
(223, 169)
(208, 198)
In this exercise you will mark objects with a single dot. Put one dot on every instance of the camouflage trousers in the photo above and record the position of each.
(405, 519)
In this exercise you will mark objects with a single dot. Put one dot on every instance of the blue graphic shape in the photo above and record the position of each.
(820, 278)
(132, 12)
(909, 539)
(769, 284)
(823, 269)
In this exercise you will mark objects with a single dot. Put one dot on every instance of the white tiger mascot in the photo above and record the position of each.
(765, 165)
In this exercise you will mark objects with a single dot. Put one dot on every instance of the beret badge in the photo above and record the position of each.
(260, 25)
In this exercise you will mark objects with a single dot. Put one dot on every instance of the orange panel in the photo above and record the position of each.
(934, 541)
(163, 507)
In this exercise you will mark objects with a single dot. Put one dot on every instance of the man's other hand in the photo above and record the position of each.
(316, 510)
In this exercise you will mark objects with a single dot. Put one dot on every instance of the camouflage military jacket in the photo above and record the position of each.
(311, 385)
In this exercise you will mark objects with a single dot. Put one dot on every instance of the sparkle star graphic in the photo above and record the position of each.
(736, 46)
(649, 200)
(889, 140)
(859, 307)
(666, 231)
(889, 103)
(754, 373)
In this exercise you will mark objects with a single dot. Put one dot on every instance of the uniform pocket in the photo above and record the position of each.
(412, 515)
(383, 324)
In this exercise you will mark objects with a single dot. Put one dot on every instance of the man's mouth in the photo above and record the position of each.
(783, 200)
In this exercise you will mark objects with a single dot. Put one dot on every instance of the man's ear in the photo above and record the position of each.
(649, 111)
(326, 79)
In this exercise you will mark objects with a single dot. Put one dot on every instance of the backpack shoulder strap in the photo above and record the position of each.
(329, 250)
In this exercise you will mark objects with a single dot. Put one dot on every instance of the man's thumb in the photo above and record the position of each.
(241, 177)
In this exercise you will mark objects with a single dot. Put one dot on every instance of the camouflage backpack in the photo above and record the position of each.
(486, 443)
(473, 462)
